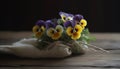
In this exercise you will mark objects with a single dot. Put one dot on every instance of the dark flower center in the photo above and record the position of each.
(37, 30)
(64, 18)
(77, 22)
(41, 30)
(57, 30)
(52, 32)
(81, 23)
(76, 30)
(71, 31)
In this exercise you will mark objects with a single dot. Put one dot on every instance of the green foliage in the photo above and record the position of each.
(60, 21)
(65, 37)
(33, 36)
(85, 36)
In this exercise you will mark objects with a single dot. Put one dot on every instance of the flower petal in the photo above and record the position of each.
(50, 32)
(56, 36)
(78, 28)
(49, 24)
(75, 36)
(69, 31)
(38, 31)
(83, 22)
(59, 28)
(63, 13)
(35, 28)
(38, 34)
(40, 23)
(65, 16)
(78, 17)
(67, 24)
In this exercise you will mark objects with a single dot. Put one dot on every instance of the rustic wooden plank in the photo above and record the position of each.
(107, 36)
(89, 59)
(12, 36)
(54, 68)
(107, 44)
(109, 41)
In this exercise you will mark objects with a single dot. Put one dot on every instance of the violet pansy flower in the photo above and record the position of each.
(65, 16)
(69, 23)
(54, 30)
(40, 23)
(50, 24)
(78, 17)
(39, 28)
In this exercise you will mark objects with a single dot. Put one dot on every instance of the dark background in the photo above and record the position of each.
(21, 15)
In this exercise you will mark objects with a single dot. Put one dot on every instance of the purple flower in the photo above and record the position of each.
(40, 23)
(78, 17)
(69, 23)
(65, 14)
(49, 24)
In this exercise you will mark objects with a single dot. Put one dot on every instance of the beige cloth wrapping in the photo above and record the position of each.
(26, 48)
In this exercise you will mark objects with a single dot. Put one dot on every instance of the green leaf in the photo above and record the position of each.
(64, 37)
(33, 36)
(86, 31)
(85, 36)
(60, 21)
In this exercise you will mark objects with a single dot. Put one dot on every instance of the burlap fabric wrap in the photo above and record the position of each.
(27, 48)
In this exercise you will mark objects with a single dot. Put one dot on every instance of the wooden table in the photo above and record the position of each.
(90, 60)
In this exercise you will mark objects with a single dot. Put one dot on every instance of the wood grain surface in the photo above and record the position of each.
(91, 60)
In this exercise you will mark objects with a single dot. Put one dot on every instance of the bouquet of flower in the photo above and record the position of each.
(68, 30)
(55, 38)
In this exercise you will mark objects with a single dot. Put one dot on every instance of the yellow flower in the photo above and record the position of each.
(69, 31)
(50, 32)
(55, 33)
(83, 23)
(76, 36)
(38, 31)
(78, 28)
(59, 28)
(56, 36)
(75, 32)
